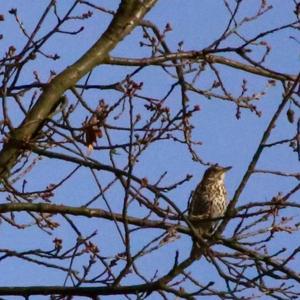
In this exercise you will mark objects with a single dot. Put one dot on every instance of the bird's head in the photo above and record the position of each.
(216, 173)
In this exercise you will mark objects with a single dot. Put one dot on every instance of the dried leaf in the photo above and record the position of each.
(92, 132)
(290, 115)
(144, 182)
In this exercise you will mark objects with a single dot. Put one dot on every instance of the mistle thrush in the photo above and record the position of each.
(209, 200)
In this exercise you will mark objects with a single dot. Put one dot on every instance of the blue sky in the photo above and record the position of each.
(225, 140)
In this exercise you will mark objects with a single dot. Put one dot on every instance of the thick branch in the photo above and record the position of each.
(88, 212)
(127, 17)
(75, 291)
(199, 55)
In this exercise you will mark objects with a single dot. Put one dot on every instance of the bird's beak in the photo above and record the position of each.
(227, 169)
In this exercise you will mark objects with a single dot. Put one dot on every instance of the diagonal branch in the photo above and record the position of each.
(127, 17)
(256, 156)
(262, 258)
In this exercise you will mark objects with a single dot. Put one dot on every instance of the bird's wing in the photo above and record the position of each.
(201, 202)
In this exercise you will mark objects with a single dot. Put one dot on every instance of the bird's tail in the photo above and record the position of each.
(196, 251)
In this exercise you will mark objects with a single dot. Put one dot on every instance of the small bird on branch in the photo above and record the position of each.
(209, 201)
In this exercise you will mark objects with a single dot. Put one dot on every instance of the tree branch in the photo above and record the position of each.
(127, 17)
(198, 55)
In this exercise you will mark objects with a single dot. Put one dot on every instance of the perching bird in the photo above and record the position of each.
(209, 200)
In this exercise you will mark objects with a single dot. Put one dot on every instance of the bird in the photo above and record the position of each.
(209, 200)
